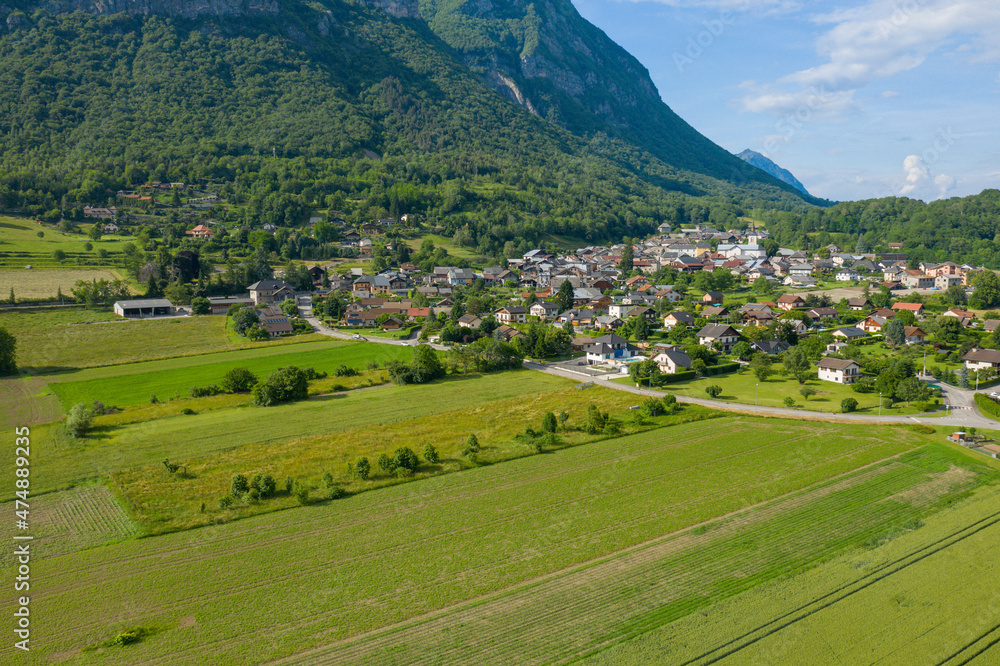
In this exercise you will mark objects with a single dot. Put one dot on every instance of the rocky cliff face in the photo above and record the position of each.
(182, 8)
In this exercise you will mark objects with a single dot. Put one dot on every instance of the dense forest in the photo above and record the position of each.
(331, 105)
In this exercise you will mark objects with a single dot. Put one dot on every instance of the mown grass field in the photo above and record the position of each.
(133, 384)
(924, 597)
(58, 339)
(465, 546)
(110, 448)
(21, 246)
(745, 389)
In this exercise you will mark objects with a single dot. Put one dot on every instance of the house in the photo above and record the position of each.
(270, 291)
(914, 335)
(111, 228)
(872, 324)
(944, 281)
(512, 314)
(392, 324)
(672, 361)
(201, 231)
(849, 333)
(771, 347)
(221, 304)
(762, 317)
(678, 318)
(790, 301)
(982, 359)
(724, 334)
(712, 298)
(839, 370)
(917, 280)
(819, 314)
(461, 276)
(544, 310)
(668, 293)
(714, 312)
(990, 325)
(508, 333)
(608, 347)
(317, 274)
(641, 311)
(100, 213)
(607, 323)
(371, 284)
(469, 321)
(353, 318)
(847, 275)
(144, 307)
(916, 308)
(859, 304)
(274, 321)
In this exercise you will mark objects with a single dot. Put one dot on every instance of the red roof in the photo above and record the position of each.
(913, 307)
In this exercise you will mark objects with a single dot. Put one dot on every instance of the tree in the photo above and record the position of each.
(789, 401)
(796, 362)
(282, 385)
(238, 485)
(472, 443)
(912, 389)
(906, 317)
(59, 255)
(549, 422)
(640, 330)
(651, 407)
(565, 296)
(563, 417)
(742, 350)
(714, 391)
(405, 458)
(760, 364)
(895, 333)
(848, 405)
(78, 419)
(244, 319)
(426, 365)
(200, 306)
(963, 376)
(987, 289)
(290, 307)
(949, 329)
(238, 380)
(431, 454)
(362, 468)
(955, 295)
(627, 264)
(8, 353)
(807, 392)
(386, 463)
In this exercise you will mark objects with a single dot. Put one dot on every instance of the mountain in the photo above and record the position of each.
(766, 165)
(507, 122)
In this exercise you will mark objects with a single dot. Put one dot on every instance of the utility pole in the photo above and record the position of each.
(755, 391)
(880, 403)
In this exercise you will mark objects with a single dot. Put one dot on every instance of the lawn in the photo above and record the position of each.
(133, 384)
(20, 246)
(59, 339)
(111, 448)
(744, 388)
(527, 561)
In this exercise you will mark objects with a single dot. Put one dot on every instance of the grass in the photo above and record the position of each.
(39, 283)
(58, 339)
(472, 546)
(917, 598)
(440, 241)
(133, 384)
(743, 388)
(112, 447)
(21, 246)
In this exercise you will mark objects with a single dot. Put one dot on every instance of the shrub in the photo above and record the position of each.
(549, 422)
(789, 402)
(405, 458)
(238, 380)
(204, 391)
(386, 464)
(327, 480)
(714, 390)
(225, 501)
(238, 485)
(200, 306)
(848, 405)
(336, 492)
(265, 485)
(362, 468)
(78, 420)
(472, 443)
(344, 371)
(289, 484)
(187, 411)
(153, 400)
(431, 454)
(301, 494)
(807, 392)
(282, 385)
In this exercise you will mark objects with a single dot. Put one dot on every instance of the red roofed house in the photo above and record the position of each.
(201, 231)
(915, 308)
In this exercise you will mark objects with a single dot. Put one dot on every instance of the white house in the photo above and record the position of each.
(981, 359)
(672, 361)
(839, 370)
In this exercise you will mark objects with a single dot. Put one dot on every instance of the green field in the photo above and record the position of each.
(58, 339)
(133, 384)
(184, 437)
(43, 283)
(20, 246)
(745, 389)
(924, 597)
(535, 560)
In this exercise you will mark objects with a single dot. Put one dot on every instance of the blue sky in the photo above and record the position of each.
(858, 99)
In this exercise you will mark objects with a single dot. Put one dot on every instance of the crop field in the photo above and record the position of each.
(47, 282)
(184, 437)
(926, 596)
(133, 384)
(71, 520)
(593, 525)
(58, 339)
(20, 246)
(26, 401)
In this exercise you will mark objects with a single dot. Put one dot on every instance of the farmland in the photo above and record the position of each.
(539, 559)
(57, 339)
(133, 384)
(43, 283)
(20, 246)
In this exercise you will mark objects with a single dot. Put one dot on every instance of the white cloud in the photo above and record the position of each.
(883, 38)
(920, 183)
(916, 174)
(944, 183)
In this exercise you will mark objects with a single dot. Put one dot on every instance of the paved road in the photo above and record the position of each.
(965, 417)
(321, 328)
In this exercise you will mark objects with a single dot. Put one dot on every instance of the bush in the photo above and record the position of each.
(225, 501)
(405, 458)
(344, 371)
(336, 492)
(200, 306)
(789, 402)
(386, 464)
(78, 420)
(289, 484)
(264, 484)
(188, 411)
(327, 480)
(714, 390)
(431, 454)
(301, 494)
(238, 485)
(205, 391)
(848, 405)
(153, 400)
(472, 443)
(549, 422)
(282, 385)
(677, 377)
(239, 380)
(362, 468)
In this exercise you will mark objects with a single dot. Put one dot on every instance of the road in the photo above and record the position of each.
(306, 313)
(965, 414)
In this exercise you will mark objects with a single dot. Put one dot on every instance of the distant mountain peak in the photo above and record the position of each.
(768, 166)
